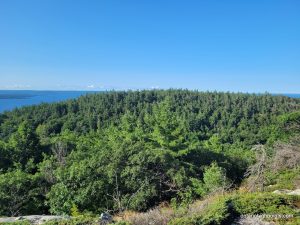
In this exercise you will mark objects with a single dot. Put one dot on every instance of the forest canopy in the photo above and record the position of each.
(115, 151)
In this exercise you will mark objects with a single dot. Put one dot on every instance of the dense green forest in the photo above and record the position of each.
(118, 151)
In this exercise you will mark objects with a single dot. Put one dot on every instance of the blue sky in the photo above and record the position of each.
(249, 46)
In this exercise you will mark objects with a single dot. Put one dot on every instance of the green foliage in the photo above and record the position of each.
(294, 221)
(5, 160)
(286, 126)
(133, 150)
(74, 211)
(283, 179)
(218, 212)
(225, 209)
(25, 144)
(264, 203)
(168, 129)
(184, 221)
(80, 220)
(214, 143)
(122, 223)
(214, 178)
(19, 193)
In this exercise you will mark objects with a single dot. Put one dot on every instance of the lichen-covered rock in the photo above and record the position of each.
(282, 191)
(295, 192)
(287, 192)
(34, 219)
(252, 221)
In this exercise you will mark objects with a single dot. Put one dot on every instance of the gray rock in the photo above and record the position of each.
(105, 218)
(252, 221)
(295, 192)
(287, 192)
(33, 219)
(281, 191)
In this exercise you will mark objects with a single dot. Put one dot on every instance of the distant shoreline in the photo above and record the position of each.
(12, 99)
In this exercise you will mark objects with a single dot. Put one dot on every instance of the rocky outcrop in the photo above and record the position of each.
(34, 219)
(287, 192)
(295, 192)
(252, 221)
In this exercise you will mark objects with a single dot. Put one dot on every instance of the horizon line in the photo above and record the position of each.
(148, 89)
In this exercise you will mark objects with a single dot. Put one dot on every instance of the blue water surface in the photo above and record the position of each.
(10, 100)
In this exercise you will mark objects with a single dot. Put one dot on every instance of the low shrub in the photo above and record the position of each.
(80, 220)
(284, 179)
(225, 209)
(264, 203)
(122, 223)
(184, 221)
(156, 216)
(218, 212)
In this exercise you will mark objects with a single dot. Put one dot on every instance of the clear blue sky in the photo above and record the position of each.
(249, 46)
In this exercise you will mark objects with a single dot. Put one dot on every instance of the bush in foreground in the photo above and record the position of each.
(223, 209)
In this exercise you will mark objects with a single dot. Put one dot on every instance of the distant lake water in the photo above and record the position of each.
(292, 95)
(10, 100)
